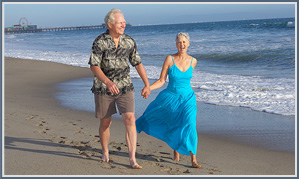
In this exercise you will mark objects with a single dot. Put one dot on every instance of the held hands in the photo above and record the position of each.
(145, 92)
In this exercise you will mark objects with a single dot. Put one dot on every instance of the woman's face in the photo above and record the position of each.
(182, 44)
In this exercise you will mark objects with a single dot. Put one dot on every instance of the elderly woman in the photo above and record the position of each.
(171, 117)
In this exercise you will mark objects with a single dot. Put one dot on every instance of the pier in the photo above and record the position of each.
(29, 30)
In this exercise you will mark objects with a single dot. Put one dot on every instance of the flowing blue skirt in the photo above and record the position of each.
(171, 118)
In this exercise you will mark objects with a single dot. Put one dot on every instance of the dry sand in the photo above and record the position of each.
(43, 138)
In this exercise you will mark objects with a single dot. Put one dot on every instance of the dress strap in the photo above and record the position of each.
(172, 59)
(191, 61)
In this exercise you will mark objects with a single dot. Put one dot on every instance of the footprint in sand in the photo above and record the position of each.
(39, 124)
(41, 131)
(32, 116)
(46, 129)
(72, 123)
(107, 165)
(177, 171)
(116, 148)
(84, 154)
(165, 169)
(213, 170)
(96, 140)
(165, 153)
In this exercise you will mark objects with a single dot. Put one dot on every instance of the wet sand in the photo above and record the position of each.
(43, 138)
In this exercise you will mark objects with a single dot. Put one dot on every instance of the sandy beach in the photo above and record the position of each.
(44, 138)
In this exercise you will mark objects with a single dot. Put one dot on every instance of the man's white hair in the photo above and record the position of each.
(110, 16)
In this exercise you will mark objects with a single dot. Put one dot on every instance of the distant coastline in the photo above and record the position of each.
(21, 28)
(84, 27)
(195, 22)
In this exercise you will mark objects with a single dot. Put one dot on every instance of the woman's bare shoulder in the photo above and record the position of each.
(168, 60)
(194, 62)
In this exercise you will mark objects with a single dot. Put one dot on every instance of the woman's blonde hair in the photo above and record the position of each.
(185, 34)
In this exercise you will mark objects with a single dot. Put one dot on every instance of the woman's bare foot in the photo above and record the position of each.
(176, 156)
(195, 165)
(136, 166)
(105, 157)
(194, 161)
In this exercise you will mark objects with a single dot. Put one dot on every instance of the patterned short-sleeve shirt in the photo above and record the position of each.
(114, 63)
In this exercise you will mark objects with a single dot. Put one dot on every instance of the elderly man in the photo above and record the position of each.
(109, 61)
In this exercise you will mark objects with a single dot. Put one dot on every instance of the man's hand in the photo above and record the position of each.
(112, 87)
(145, 92)
(102, 77)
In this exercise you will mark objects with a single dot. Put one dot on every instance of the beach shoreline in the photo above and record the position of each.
(232, 123)
(38, 129)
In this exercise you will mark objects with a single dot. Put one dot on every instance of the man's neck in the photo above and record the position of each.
(114, 36)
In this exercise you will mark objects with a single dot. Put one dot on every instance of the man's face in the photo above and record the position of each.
(119, 24)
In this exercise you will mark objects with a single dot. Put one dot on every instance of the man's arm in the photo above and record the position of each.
(101, 76)
(142, 73)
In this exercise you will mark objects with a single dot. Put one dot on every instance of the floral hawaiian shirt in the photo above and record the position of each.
(114, 63)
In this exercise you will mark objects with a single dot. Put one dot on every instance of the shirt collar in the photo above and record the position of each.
(108, 35)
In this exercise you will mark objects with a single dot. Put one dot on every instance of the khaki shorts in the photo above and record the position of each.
(105, 105)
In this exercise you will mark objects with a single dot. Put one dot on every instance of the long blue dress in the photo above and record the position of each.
(171, 117)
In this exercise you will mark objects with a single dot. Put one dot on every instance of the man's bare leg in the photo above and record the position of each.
(104, 132)
(131, 138)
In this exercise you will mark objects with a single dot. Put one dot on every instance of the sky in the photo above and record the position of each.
(72, 14)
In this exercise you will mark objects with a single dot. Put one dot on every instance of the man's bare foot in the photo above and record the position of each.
(176, 156)
(135, 165)
(105, 157)
(195, 165)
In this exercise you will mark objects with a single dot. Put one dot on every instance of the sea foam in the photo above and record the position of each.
(255, 92)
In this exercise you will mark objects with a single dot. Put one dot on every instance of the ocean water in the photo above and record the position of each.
(240, 63)
(238, 124)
